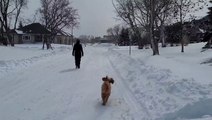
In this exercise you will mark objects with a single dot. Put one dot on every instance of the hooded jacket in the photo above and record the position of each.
(77, 50)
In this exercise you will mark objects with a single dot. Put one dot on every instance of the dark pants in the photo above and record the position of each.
(77, 62)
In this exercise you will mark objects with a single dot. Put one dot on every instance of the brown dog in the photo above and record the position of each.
(106, 89)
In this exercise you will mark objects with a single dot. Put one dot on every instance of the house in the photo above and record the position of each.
(35, 32)
(106, 39)
(31, 33)
(63, 38)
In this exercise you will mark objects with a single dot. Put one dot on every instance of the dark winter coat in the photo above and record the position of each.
(77, 50)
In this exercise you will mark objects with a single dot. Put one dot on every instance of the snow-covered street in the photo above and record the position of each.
(40, 84)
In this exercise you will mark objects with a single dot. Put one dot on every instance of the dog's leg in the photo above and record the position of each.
(106, 98)
(103, 99)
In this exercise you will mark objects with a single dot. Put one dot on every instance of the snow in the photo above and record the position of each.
(19, 31)
(38, 84)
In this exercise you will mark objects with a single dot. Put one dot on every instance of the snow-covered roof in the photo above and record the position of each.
(19, 32)
(61, 32)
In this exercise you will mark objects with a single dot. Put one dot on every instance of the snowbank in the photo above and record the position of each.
(21, 56)
(166, 85)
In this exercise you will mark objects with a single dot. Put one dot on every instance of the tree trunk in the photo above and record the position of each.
(156, 50)
(154, 42)
(154, 45)
(181, 28)
(10, 39)
(139, 40)
(44, 42)
(162, 35)
(182, 45)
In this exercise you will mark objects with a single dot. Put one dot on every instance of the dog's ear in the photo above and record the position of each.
(112, 80)
(104, 79)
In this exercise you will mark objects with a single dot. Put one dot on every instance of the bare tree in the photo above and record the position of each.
(183, 9)
(57, 15)
(19, 4)
(127, 11)
(151, 15)
(163, 14)
(137, 14)
(10, 9)
(114, 33)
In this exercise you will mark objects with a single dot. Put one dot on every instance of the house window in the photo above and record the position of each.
(26, 38)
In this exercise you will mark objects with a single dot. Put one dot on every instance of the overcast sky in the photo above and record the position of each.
(96, 16)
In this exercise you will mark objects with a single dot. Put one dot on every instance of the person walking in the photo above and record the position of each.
(77, 53)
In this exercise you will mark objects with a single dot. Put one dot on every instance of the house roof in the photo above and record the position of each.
(19, 32)
(61, 32)
(34, 28)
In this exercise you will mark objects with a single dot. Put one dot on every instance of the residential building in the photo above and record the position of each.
(63, 38)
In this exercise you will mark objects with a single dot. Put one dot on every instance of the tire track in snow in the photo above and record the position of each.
(118, 107)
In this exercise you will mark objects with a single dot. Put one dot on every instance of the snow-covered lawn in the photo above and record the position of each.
(38, 84)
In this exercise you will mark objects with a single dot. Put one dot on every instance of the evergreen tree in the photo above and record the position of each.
(124, 37)
(208, 34)
(210, 14)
